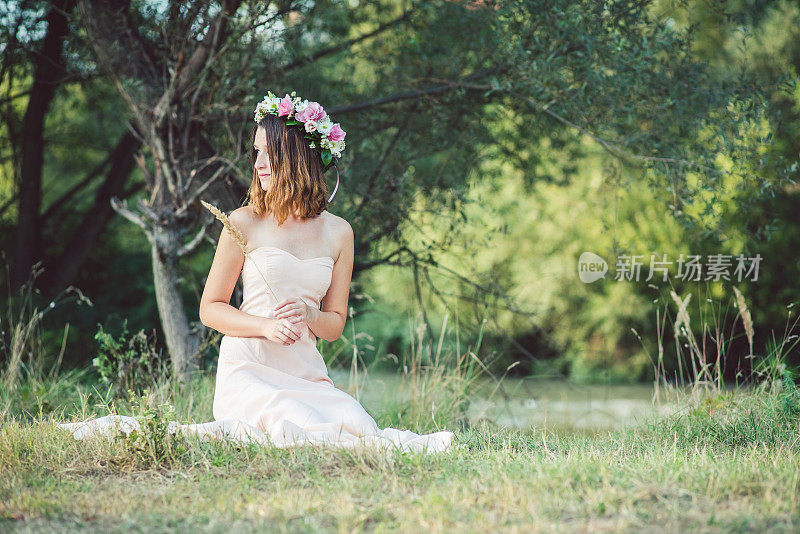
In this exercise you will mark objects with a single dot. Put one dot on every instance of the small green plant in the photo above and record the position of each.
(774, 366)
(155, 443)
(128, 363)
(790, 395)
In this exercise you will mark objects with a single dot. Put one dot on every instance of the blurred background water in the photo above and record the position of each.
(529, 402)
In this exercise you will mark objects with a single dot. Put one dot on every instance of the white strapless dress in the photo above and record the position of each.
(281, 395)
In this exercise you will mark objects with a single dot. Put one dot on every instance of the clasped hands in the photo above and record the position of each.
(285, 328)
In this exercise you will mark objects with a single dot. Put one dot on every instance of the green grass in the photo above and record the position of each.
(724, 462)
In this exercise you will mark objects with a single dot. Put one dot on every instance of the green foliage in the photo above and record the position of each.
(770, 417)
(658, 79)
(521, 241)
(790, 396)
(128, 363)
(775, 365)
(155, 443)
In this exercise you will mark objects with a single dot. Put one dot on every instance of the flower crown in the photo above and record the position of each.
(326, 137)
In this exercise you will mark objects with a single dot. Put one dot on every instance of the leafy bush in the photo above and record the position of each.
(128, 363)
(154, 443)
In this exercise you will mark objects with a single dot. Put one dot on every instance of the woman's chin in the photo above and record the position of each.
(264, 184)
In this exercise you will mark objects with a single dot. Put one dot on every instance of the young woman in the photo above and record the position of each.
(270, 374)
(272, 383)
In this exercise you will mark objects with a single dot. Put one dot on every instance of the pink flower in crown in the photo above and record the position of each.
(313, 111)
(336, 133)
(285, 106)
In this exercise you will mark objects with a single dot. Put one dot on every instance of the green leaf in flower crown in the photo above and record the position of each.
(326, 157)
(292, 121)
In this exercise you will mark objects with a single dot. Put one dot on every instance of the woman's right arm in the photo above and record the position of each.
(215, 309)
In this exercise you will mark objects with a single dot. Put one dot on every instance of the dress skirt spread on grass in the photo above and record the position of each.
(276, 394)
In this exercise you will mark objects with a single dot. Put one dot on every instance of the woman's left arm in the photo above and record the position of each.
(327, 322)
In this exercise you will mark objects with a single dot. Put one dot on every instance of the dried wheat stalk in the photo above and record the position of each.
(237, 236)
(746, 319)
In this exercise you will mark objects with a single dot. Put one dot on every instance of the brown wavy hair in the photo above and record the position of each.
(297, 182)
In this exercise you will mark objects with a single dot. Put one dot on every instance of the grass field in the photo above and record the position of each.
(721, 460)
(724, 462)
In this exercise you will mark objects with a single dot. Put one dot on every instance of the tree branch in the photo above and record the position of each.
(8, 203)
(406, 95)
(199, 191)
(299, 62)
(122, 208)
(610, 146)
(192, 245)
(382, 163)
(58, 204)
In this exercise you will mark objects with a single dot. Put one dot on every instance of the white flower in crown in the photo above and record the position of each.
(325, 142)
(272, 104)
(324, 126)
(261, 110)
(268, 105)
(300, 105)
(311, 126)
(338, 146)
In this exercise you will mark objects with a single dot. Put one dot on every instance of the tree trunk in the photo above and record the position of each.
(181, 342)
(49, 68)
(94, 222)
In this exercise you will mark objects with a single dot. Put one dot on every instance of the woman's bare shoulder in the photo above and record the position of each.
(338, 225)
(341, 231)
(243, 217)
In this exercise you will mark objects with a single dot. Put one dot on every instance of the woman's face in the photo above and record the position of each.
(262, 159)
